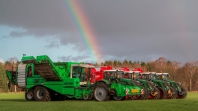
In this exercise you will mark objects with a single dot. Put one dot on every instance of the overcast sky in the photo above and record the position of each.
(137, 30)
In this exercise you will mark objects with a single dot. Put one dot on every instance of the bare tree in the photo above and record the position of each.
(175, 65)
(190, 68)
(160, 64)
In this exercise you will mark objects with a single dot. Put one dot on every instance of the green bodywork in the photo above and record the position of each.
(158, 83)
(122, 86)
(144, 83)
(152, 91)
(124, 89)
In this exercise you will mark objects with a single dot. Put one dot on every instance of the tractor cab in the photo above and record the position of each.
(162, 76)
(133, 75)
(136, 75)
(118, 76)
(112, 75)
(148, 76)
(83, 72)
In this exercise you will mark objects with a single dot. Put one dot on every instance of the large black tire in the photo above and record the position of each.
(174, 93)
(145, 95)
(29, 95)
(101, 92)
(41, 94)
(184, 95)
(157, 96)
(163, 93)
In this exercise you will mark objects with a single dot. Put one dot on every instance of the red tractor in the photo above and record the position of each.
(99, 73)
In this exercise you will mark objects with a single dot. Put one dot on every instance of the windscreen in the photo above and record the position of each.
(113, 74)
(81, 72)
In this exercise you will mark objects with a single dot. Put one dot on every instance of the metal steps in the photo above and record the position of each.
(21, 75)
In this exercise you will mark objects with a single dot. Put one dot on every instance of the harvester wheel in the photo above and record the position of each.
(88, 97)
(156, 90)
(163, 93)
(41, 94)
(29, 96)
(101, 92)
(174, 93)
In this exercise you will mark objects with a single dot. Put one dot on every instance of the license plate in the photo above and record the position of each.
(134, 90)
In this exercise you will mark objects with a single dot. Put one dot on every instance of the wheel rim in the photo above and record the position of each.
(29, 95)
(40, 94)
(100, 93)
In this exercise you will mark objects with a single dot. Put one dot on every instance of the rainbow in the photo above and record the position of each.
(84, 28)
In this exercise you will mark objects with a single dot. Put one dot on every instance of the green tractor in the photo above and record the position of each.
(166, 91)
(180, 90)
(149, 87)
(113, 79)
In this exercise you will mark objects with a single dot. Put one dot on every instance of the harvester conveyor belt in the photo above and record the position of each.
(46, 71)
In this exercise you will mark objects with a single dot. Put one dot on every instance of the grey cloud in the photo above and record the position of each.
(72, 58)
(18, 34)
(53, 44)
(130, 29)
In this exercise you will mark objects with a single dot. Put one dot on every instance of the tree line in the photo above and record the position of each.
(187, 74)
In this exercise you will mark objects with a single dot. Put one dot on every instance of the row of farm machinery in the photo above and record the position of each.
(44, 80)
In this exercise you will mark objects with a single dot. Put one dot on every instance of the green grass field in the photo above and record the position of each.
(17, 102)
